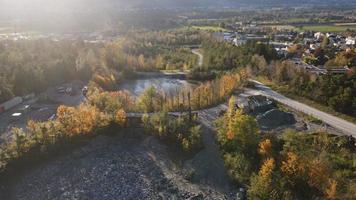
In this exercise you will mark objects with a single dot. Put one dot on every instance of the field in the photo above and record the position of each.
(327, 28)
(209, 28)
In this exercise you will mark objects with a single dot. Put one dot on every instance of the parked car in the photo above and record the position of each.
(69, 90)
(85, 91)
(61, 90)
(24, 109)
(15, 117)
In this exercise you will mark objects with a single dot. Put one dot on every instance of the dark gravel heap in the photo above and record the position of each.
(275, 118)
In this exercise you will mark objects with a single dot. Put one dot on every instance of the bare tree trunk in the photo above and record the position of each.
(189, 108)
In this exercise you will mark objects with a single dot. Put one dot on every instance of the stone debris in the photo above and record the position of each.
(111, 167)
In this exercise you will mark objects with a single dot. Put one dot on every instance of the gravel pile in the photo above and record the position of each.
(110, 167)
(275, 118)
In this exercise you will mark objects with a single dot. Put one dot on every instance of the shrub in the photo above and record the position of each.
(180, 130)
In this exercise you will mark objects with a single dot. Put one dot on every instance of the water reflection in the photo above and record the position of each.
(169, 85)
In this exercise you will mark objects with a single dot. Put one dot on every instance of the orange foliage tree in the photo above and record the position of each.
(76, 121)
(120, 118)
(265, 148)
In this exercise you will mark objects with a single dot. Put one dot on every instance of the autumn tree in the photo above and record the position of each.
(238, 167)
(238, 131)
(262, 184)
(265, 148)
(149, 100)
(120, 117)
(293, 167)
(331, 189)
(318, 174)
(81, 120)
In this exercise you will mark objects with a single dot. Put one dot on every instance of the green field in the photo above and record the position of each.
(326, 28)
(209, 28)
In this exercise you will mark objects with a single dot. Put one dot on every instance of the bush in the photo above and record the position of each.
(179, 130)
(238, 167)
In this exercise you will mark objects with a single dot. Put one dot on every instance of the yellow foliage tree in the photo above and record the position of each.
(262, 184)
(318, 174)
(230, 117)
(292, 167)
(75, 121)
(267, 169)
(331, 189)
(265, 148)
(120, 117)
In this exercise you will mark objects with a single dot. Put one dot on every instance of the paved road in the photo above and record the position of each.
(340, 124)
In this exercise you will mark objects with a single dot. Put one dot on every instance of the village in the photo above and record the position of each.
(301, 47)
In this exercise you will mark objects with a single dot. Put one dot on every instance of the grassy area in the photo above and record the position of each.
(295, 20)
(209, 28)
(280, 26)
(285, 91)
(326, 28)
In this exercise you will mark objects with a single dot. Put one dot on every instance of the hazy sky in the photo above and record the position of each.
(52, 14)
(46, 5)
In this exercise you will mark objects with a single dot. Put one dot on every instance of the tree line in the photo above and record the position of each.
(333, 90)
(33, 66)
(226, 56)
(204, 95)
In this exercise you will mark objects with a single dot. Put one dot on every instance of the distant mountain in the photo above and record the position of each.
(38, 6)
(41, 14)
(233, 3)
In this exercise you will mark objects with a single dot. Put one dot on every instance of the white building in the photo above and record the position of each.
(350, 41)
(319, 35)
(239, 41)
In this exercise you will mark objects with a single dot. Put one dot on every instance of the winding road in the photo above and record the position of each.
(200, 57)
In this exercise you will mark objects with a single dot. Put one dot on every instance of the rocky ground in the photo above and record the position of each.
(123, 167)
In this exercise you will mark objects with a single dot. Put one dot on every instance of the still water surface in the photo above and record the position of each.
(168, 85)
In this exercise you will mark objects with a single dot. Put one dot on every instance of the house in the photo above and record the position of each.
(314, 46)
(330, 35)
(350, 40)
(283, 37)
(239, 41)
(227, 36)
(319, 35)
(259, 38)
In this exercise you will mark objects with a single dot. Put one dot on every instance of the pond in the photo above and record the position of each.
(166, 84)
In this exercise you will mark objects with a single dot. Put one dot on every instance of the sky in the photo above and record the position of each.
(58, 14)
